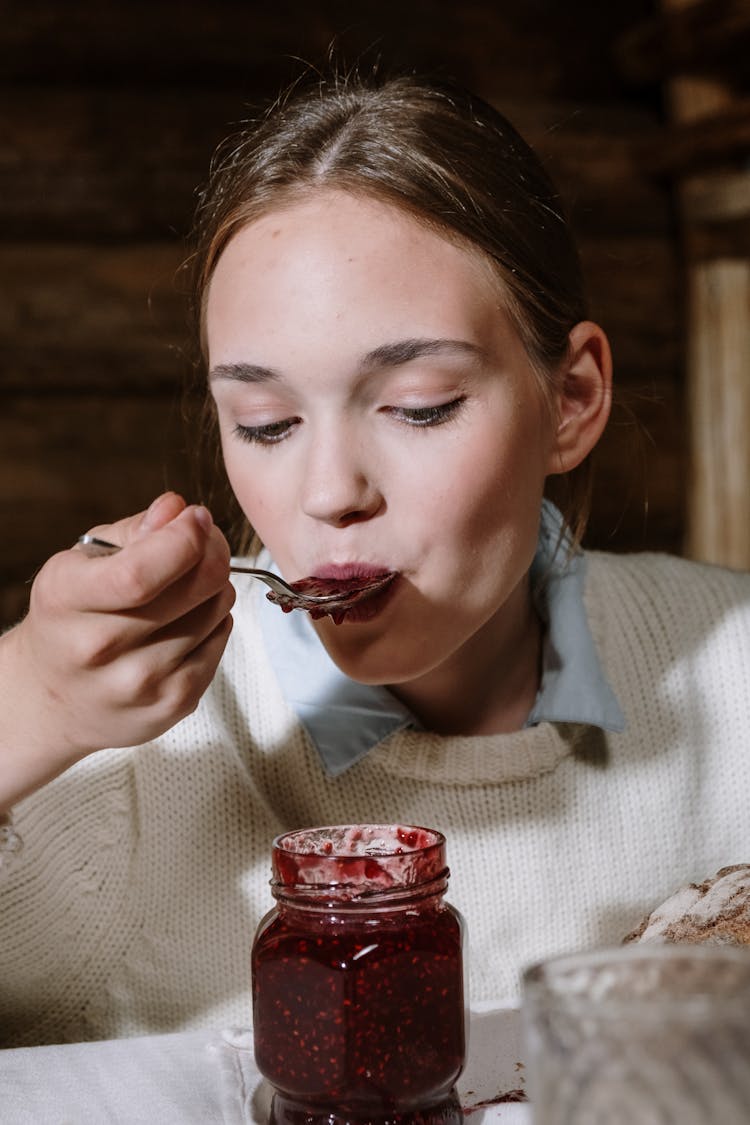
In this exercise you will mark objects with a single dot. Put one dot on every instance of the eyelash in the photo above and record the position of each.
(420, 417)
(270, 434)
(427, 416)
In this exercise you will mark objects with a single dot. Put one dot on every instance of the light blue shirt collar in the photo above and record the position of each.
(346, 719)
(573, 688)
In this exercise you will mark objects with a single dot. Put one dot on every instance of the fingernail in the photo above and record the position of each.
(203, 517)
(149, 520)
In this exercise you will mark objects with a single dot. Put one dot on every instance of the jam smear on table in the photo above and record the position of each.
(358, 1005)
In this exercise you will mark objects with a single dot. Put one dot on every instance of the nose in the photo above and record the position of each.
(339, 485)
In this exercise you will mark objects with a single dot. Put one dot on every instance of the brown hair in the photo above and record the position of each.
(434, 150)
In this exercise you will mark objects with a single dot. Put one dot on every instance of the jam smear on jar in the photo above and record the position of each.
(358, 1001)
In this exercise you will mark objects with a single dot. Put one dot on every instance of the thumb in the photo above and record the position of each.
(162, 511)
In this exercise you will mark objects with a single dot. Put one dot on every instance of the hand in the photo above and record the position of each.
(114, 650)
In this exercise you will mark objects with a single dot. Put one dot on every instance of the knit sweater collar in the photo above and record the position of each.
(346, 719)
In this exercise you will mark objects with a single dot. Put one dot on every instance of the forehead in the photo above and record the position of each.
(338, 255)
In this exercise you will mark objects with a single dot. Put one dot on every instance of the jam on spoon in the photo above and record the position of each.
(341, 594)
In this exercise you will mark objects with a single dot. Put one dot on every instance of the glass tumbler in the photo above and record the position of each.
(358, 995)
(641, 1035)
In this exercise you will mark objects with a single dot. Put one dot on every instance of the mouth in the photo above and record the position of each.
(363, 589)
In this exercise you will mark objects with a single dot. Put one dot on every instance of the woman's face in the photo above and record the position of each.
(378, 412)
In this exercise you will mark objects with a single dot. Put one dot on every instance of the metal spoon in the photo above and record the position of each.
(281, 592)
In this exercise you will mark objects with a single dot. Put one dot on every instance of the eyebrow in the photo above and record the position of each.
(395, 354)
(404, 351)
(243, 372)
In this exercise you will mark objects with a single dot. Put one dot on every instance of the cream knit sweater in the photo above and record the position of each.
(145, 872)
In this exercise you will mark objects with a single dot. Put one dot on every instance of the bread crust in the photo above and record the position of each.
(716, 911)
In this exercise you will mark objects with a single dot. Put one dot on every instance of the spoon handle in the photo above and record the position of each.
(283, 593)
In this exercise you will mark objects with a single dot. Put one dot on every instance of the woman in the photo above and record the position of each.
(400, 364)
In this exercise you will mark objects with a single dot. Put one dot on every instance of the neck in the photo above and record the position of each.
(488, 686)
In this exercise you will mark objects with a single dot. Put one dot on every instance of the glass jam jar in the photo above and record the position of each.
(358, 995)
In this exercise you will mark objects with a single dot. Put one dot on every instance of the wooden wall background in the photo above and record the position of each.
(110, 114)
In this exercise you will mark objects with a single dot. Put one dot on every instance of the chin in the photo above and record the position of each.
(376, 661)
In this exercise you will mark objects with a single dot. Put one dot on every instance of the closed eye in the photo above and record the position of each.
(426, 415)
(271, 433)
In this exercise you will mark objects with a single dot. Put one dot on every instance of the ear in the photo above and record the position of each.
(583, 398)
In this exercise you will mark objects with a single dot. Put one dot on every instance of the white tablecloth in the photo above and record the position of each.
(206, 1077)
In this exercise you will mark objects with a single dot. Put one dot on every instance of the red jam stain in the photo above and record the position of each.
(358, 1007)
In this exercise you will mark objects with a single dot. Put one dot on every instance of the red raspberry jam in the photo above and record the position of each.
(345, 588)
(358, 1000)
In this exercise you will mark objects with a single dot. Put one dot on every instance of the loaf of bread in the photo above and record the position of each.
(715, 911)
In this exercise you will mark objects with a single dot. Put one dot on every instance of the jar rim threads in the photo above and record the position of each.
(357, 860)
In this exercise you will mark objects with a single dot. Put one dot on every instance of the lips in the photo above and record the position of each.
(345, 572)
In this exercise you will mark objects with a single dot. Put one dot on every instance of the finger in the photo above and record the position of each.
(153, 640)
(198, 670)
(178, 694)
(135, 576)
(147, 678)
(161, 511)
(208, 578)
(173, 643)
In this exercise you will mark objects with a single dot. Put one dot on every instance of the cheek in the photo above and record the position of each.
(251, 488)
(487, 470)
(496, 483)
